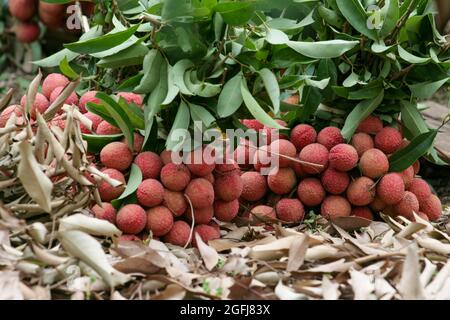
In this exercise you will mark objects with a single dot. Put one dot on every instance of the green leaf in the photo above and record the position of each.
(311, 99)
(134, 113)
(354, 12)
(274, 36)
(425, 90)
(199, 113)
(391, 12)
(131, 56)
(100, 110)
(369, 91)
(255, 109)
(67, 70)
(322, 49)
(172, 89)
(235, 13)
(102, 43)
(351, 80)
(230, 99)
(330, 16)
(177, 134)
(97, 142)
(272, 88)
(359, 113)
(405, 55)
(131, 83)
(412, 119)
(133, 183)
(152, 66)
(405, 157)
(179, 70)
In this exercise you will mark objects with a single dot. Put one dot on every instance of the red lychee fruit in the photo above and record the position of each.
(254, 186)
(407, 176)
(179, 234)
(370, 125)
(201, 215)
(7, 113)
(283, 181)
(374, 163)
(260, 212)
(335, 206)
(105, 212)
(226, 211)
(361, 191)
(150, 193)
(228, 187)
(52, 15)
(175, 202)
(432, 207)
(391, 188)
(377, 204)
(252, 124)
(314, 153)
(311, 192)
(22, 9)
(244, 154)
(159, 220)
(150, 164)
(206, 233)
(407, 206)
(108, 192)
(116, 155)
(362, 142)
(330, 137)
(334, 181)
(226, 168)
(104, 128)
(290, 210)
(51, 82)
(166, 156)
(95, 119)
(280, 148)
(40, 104)
(343, 157)
(201, 193)
(420, 188)
(88, 96)
(72, 99)
(388, 140)
(26, 32)
(362, 212)
(131, 97)
(302, 135)
(175, 177)
(200, 163)
(262, 158)
(131, 219)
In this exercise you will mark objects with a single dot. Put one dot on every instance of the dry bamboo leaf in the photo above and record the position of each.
(270, 278)
(117, 296)
(444, 293)
(383, 290)
(53, 109)
(136, 265)
(330, 289)
(411, 229)
(427, 272)
(439, 280)
(285, 293)
(363, 285)
(47, 257)
(32, 91)
(87, 249)
(10, 288)
(351, 223)
(434, 245)
(364, 248)
(297, 252)
(209, 255)
(321, 252)
(94, 226)
(336, 266)
(272, 250)
(38, 232)
(410, 286)
(38, 186)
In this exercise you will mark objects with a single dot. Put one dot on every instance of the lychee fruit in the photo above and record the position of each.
(40, 104)
(334, 181)
(71, 100)
(26, 32)
(407, 206)
(201, 215)
(391, 188)
(252, 124)
(22, 9)
(302, 135)
(370, 125)
(420, 188)
(407, 176)
(179, 234)
(210, 178)
(335, 206)
(150, 164)
(175, 177)
(200, 163)
(343, 157)
(95, 119)
(330, 137)
(260, 212)
(159, 220)
(228, 187)
(361, 191)
(88, 96)
(116, 155)
(51, 82)
(314, 153)
(362, 212)
(138, 142)
(244, 154)
(108, 192)
(166, 156)
(200, 192)
(105, 212)
(206, 233)
(280, 148)
(226, 211)
(362, 142)
(388, 140)
(254, 186)
(131, 97)
(262, 158)
(105, 128)
(298, 169)
(175, 202)
(377, 204)
(311, 192)
(290, 210)
(131, 219)
(7, 113)
(52, 15)
(226, 168)
(432, 207)
(283, 181)
(150, 193)
(374, 163)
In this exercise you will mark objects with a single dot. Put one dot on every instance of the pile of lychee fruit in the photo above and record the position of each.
(28, 13)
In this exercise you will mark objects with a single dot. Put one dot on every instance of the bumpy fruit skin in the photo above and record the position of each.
(343, 157)
(374, 163)
(407, 176)
(244, 154)
(199, 163)
(175, 202)
(290, 210)
(226, 211)
(105, 128)
(407, 206)
(334, 181)
(228, 187)
(283, 181)
(362, 212)
(298, 169)
(302, 135)
(150, 164)
(206, 233)
(311, 192)
(51, 82)
(330, 137)
(263, 212)
(370, 125)
(150, 193)
(201, 193)
(388, 140)
(27, 32)
(166, 156)
(362, 142)
(254, 186)
(88, 96)
(95, 119)
(40, 104)
(131, 97)
(201, 215)
(175, 177)
(226, 168)
(210, 178)
(262, 158)
(391, 188)
(377, 204)
(22, 9)
(131, 219)
(252, 124)
(314, 153)
(280, 148)
(179, 234)
(137, 143)
(159, 220)
(129, 237)
(335, 206)
(432, 207)
(105, 212)
(116, 155)
(72, 99)
(52, 15)
(361, 191)
(7, 113)
(108, 192)
(420, 188)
